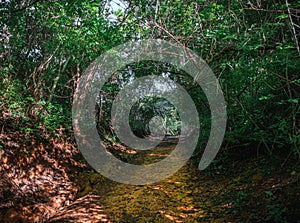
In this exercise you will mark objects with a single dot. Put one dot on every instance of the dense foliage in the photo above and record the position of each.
(252, 47)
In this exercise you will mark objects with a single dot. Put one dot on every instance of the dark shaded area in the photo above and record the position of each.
(35, 169)
(252, 48)
(50, 182)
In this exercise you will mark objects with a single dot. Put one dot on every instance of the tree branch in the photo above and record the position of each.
(292, 26)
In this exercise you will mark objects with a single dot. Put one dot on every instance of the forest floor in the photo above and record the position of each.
(250, 190)
(45, 179)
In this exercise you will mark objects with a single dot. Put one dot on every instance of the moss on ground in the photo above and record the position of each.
(255, 190)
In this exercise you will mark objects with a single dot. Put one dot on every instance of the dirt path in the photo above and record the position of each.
(254, 190)
(45, 180)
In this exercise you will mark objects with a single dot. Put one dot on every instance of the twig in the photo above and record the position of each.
(168, 33)
(292, 26)
(256, 125)
(265, 10)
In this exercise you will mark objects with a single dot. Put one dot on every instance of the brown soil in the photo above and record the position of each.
(45, 179)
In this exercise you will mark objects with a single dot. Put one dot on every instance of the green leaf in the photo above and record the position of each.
(269, 193)
(283, 16)
(296, 101)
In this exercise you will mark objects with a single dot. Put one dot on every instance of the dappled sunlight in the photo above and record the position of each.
(35, 182)
(149, 111)
(43, 181)
(86, 209)
(191, 195)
